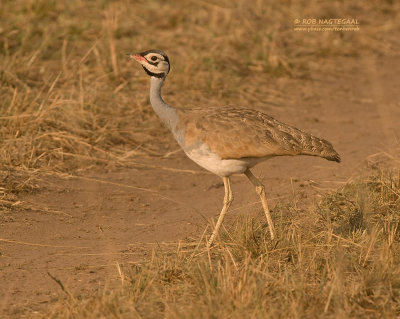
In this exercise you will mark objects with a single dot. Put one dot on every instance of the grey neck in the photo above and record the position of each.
(166, 113)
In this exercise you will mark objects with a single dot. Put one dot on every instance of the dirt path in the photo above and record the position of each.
(101, 219)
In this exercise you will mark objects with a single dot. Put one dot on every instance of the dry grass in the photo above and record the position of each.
(340, 265)
(71, 101)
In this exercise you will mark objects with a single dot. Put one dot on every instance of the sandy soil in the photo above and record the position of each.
(104, 218)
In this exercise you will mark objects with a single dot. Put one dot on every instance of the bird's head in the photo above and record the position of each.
(154, 62)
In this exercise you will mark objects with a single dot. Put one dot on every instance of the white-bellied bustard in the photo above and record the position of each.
(228, 140)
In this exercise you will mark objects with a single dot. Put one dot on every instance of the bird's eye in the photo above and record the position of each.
(153, 58)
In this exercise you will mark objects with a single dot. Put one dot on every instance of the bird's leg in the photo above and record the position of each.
(260, 189)
(228, 198)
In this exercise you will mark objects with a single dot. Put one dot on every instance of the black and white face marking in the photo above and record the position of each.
(154, 62)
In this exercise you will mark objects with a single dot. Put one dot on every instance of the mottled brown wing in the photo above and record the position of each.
(238, 133)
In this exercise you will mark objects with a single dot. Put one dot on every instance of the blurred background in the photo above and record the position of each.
(68, 89)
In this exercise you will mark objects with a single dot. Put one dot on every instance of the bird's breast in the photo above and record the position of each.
(211, 161)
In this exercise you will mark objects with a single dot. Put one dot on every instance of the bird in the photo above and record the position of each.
(228, 140)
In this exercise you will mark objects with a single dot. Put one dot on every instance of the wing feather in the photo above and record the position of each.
(237, 133)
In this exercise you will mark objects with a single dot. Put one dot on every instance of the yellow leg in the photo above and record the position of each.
(260, 189)
(228, 198)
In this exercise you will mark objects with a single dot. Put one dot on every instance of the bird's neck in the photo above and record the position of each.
(166, 113)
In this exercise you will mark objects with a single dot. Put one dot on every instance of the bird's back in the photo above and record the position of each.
(235, 133)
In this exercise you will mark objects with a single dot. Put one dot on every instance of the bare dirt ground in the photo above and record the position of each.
(102, 219)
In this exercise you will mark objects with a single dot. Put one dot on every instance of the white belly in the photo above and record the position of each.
(210, 160)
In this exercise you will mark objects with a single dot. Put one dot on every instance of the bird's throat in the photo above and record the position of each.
(166, 113)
